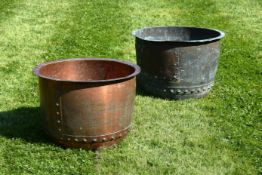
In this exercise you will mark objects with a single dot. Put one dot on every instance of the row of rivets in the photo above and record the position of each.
(95, 140)
(184, 91)
(161, 77)
(58, 114)
(180, 91)
(175, 77)
(165, 78)
(189, 91)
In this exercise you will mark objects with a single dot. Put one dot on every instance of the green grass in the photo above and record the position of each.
(219, 134)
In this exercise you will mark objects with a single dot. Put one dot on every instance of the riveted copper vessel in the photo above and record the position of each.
(87, 103)
(177, 62)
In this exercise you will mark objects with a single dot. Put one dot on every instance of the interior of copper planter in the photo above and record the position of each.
(85, 70)
(176, 34)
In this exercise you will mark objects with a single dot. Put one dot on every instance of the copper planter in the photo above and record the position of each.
(177, 62)
(87, 103)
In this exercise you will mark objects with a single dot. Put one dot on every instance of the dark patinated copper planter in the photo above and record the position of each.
(177, 62)
(87, 103)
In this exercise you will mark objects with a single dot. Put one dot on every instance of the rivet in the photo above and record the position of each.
(172, 91)
(58, 121)
(192, 91)
(57, 113)
(94, 140)
(155, 76)
(164, 90)
(85, 140)
(57, 104)
(120, 135)
(76, 140)
(112, 137)
(198, 90)
(178, 91)
(81, 128)
(68, 139)
(59, 129)
(186, 91)
(104, 139)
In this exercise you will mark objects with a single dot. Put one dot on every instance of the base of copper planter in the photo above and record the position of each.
(99, 143)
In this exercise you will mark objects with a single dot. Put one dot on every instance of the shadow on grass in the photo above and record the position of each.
(23, 123)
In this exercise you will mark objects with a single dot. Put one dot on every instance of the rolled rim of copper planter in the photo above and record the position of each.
(136, 71)
(204, 34)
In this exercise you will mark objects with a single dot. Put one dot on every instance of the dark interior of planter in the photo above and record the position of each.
(85, 70)
(176, 34)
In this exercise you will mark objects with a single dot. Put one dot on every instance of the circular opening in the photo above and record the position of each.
(86, 70)
(178, 34)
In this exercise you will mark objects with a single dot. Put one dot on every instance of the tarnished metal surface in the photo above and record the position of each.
(177, 62)
(87, 103)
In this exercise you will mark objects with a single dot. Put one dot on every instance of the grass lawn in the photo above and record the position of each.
(219, 134)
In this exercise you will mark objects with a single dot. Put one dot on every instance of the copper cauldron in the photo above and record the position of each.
(87, 103)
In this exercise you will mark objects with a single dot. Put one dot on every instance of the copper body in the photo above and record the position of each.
(87, 103)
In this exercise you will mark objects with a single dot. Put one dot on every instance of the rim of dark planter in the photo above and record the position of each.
(137, 70)
(219, 34)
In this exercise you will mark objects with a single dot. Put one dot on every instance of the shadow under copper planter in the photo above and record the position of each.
(177, 62)
(87, 103)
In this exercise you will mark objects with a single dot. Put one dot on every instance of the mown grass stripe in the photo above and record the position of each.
(87, 34)
(181, 131)
(24, 149)
(212, 115)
